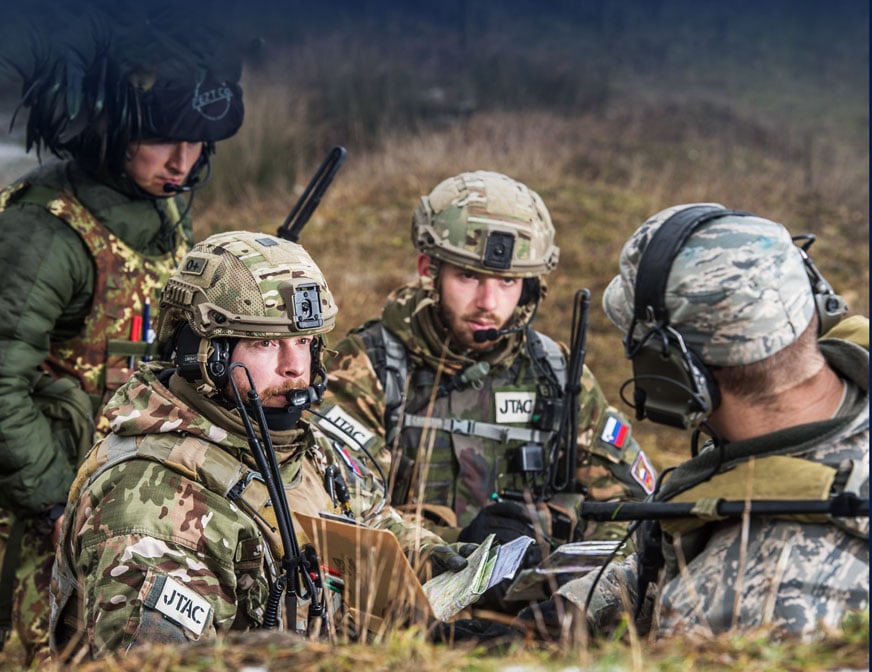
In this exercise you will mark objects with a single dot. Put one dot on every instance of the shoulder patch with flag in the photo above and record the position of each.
(615, 432)
(643, 473)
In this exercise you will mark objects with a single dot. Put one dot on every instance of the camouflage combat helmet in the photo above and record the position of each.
(245, 285)
(488, 222)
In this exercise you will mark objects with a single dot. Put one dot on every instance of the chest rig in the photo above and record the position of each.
(100, 356)
(464, 440)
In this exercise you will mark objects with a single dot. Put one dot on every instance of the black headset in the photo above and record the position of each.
(187, 348)
(672, 385)
(216, 369)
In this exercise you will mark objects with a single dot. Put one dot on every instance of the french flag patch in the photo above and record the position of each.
(615, 432)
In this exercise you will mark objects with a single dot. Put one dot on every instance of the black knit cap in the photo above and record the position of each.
(196, 111)
(107, 82)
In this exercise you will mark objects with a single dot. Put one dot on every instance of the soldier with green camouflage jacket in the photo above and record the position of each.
(86, 244)
(170, 533)
(457, 393)
(731, 332)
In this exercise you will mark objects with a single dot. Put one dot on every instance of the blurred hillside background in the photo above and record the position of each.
(610, 109)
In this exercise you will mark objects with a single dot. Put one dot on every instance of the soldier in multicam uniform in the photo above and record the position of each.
(170, 500)
(460, 419)
(86, 244)
(792, 422)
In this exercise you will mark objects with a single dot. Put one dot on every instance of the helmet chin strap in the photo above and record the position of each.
(282, 419)
(287, 417)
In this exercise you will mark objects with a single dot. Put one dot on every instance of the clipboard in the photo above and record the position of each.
(381, 588)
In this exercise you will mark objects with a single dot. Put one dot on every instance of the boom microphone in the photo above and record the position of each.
(195, 181)
(492, 334)
(170, 188)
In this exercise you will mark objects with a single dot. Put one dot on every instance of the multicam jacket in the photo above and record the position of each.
(150, 518)
(470, 436)
(81, 256)
(795, 575)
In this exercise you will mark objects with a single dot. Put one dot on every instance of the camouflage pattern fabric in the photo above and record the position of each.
(455, 221)
(466, 472)
(88, 358)
(125, 279)
(248, 285)
(796, 577)
(153, 523)
(737, 290)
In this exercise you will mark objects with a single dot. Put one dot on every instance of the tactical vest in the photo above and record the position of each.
(216, 470)
(112, 340)
(477, 440)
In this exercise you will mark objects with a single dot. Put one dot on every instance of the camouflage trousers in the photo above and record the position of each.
(30, 589)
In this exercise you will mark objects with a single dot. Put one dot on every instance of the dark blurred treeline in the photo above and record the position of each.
(376, 64)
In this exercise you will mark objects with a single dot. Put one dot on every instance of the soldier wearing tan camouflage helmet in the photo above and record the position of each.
(722, 315)
(171, 501)
(86, 244)
(451, 385)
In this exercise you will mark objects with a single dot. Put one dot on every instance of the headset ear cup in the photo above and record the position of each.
(214, 371)
(672, 387)
(831, 308)
(218, 363)
(186, 346)
(529, 291)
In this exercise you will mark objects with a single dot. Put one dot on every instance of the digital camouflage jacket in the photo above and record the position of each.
(81, 256)
(149, 518)
(460, 449)
(794, 574)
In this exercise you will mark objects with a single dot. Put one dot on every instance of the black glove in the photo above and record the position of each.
(450, 557)
(507, 521)
(649, 546)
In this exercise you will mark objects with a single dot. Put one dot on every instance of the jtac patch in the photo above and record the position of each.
(179, 604)
(513, 407)
(340, 425)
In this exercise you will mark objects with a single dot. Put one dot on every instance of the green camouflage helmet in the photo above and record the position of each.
(487, 222)
(247, 285)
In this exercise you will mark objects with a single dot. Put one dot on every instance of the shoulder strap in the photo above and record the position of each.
(545, 350)
(388, 357)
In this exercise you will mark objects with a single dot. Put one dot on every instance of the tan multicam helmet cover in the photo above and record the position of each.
(247, 285)
(737, 291)
(486, 221)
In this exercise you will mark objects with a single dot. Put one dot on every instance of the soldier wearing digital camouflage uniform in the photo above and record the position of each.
(170, 500)
(461, 416)
(788, 413)
(86, 244)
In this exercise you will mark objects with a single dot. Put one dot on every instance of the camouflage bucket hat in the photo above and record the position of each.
(488, 222)
(247, 285)
(737, 290)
